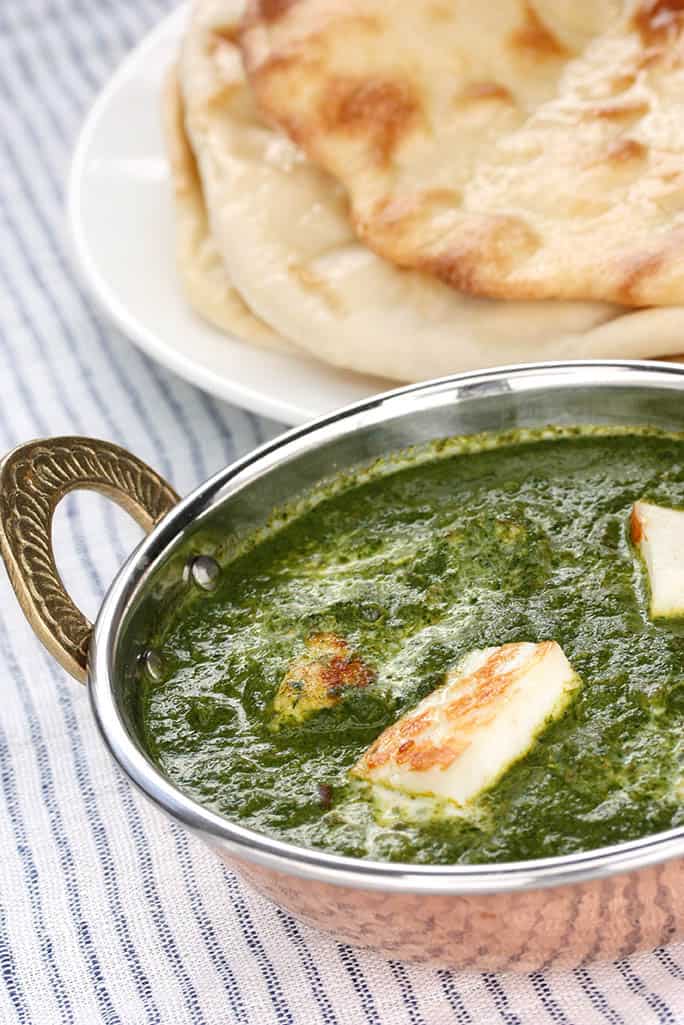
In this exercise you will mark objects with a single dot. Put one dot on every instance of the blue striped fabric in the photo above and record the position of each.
(107, 912)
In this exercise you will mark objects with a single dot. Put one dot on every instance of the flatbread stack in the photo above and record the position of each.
(413, 188)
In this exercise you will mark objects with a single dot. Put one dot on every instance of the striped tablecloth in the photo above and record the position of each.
(108, 914)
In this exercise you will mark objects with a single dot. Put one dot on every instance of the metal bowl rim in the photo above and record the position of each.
(311, 863)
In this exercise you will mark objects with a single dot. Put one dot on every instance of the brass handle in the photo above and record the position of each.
(33, 478)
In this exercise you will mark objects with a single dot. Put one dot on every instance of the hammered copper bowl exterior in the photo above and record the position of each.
(559, 927)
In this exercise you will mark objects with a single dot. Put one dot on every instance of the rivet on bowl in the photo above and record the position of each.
(203, 571)
(154, 665)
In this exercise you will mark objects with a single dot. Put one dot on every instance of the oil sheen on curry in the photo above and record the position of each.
(474, 654)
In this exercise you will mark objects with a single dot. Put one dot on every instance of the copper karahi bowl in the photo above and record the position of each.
(560, 911)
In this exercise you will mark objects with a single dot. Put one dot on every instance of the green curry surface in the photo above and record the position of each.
(528, 540)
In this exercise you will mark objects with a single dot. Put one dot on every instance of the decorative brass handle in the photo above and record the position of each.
(33, 478)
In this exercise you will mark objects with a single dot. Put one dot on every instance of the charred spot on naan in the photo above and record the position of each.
(397, 218)
(224, 35)
(384, 111)
(533, 40)
(497, 243)
(484, 91)
(622, 82)
(270, 10)
(659, 22)
(627, 110)
(624, 150)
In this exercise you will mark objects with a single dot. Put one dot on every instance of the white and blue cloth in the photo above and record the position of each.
(109, 914)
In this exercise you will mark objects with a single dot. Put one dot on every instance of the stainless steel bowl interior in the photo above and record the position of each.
(241, 498)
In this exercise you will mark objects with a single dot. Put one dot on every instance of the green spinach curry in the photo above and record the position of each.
(519, 538)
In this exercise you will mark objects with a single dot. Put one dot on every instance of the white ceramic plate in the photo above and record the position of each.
(119, 202)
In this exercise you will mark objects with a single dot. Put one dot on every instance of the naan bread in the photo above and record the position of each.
(200, 266)
(288, 245)
(529, 150)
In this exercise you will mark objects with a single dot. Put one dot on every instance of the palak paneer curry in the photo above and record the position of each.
(476, 655)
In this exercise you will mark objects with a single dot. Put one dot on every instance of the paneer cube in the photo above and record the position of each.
(463, 736)
(319, 677)
(658, 535)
